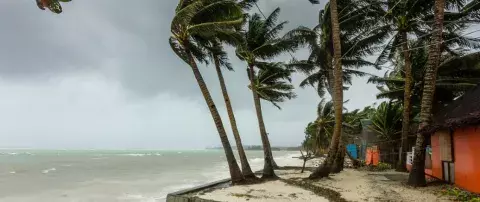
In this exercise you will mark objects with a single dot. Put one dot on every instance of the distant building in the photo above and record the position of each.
(367, 138)
(455, 142)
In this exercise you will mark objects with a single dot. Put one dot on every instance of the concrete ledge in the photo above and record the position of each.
(180, 196)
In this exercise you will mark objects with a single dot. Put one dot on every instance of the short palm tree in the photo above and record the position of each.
(52, 5)
(260, 41)
(387, 121)
(324, 124)
(197, 21)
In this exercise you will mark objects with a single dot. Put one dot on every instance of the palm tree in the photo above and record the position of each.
(220, 59)
(204, 19)
(273, 82)
(356, 43)
(417, 174)
(387, 121)
(455, 75)
(325, 168)
(52, 5)
(260, 41)
(324, 124)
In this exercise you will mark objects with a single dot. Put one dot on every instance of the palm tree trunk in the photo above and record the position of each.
(407, 106)
(339, 158)
(317, 142)
(268, 171)
(417, 174)
(330, 76)
(246, 170)
(325, 168)
(235, 173)
(269, 149)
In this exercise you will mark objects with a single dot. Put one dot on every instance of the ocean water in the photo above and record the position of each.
(124, 175)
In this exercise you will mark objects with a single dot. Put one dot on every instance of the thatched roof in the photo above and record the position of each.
(465, 111)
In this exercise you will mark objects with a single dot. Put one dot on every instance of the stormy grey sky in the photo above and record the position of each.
(102, 75)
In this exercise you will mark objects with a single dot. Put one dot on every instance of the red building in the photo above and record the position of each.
(455, 143)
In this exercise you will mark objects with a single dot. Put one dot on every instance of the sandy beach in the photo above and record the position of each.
(349, 185)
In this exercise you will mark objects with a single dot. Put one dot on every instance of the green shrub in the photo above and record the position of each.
(380, 167)
(460, 195)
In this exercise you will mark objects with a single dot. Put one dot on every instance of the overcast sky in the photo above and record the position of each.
(102, 75)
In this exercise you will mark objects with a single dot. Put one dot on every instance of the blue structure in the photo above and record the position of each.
(352, 150)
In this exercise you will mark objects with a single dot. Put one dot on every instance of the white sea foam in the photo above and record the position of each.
(256, 160)
(48, 170)
(137, 197)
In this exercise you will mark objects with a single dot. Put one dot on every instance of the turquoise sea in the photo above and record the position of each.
(113, 175)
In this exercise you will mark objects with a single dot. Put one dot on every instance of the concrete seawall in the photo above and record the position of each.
(182, 195)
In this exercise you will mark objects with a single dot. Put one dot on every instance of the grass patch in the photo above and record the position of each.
(460, 194)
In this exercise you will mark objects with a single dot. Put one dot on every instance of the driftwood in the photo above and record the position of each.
(305, 158)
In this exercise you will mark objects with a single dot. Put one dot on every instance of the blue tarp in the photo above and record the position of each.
(352, 150)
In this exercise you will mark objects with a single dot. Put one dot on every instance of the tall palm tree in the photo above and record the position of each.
(220, 60)
(52, 5)
(260, 41)
(204, 19)
(417, 174)
(404, 16)
(360, 34)
(325, 168)
(356, 44)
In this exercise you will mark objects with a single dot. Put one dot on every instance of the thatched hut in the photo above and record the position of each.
(455, 142)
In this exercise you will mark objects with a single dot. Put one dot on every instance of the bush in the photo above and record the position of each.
(380, 167)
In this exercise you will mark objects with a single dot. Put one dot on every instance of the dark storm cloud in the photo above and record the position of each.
(104, 71)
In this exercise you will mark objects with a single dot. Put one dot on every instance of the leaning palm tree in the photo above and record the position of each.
(52, 5)
(260, 41)
(220, 60)
(199, 20)
(273, 82)
(417, 174)
(325, 169)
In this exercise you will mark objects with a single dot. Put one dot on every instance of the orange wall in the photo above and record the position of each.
(467, 158)
(436, 161)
